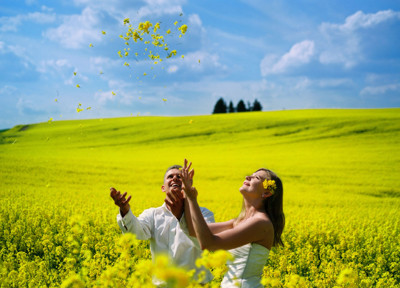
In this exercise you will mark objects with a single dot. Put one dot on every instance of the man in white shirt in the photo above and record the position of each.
(165, 226)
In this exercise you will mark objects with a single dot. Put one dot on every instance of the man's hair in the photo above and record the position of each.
(172, 167)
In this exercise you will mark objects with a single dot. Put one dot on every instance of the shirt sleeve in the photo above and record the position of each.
(140, 226)
(208, 215)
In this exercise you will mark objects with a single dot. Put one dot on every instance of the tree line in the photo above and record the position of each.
(221, 107)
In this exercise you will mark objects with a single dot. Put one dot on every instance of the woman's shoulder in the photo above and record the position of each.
(263, 222)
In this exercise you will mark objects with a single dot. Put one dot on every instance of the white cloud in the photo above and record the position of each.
(333, 83)
(11, 24)
(341, 43)
(41, 18)
(360, 20)
(50, 65)
(7, 90)
(299, 54)
(77, 30)
(105, 96)
(172, 69)
(197, 61)
(302, 83)
(380, 90)
(194, 19)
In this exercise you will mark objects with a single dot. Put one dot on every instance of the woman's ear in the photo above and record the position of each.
(266, 195)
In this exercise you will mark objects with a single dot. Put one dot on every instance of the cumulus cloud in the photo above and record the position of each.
(300, 53)
(172, 69)
(342, 42)
(360, 20)
(380, 90)
(47, 65)
(200, 61)
(77, 31)
(12, 24)
(28, 107)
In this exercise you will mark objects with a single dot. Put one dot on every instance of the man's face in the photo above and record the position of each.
(172, 181)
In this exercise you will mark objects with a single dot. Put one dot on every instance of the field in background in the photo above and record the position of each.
(340, 170)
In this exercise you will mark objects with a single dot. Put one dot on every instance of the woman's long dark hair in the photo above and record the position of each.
(274, 207)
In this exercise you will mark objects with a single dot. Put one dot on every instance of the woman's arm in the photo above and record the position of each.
(251, 230)
(220, 226)
(214, 227)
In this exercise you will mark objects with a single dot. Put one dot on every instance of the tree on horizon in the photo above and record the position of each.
(241, 107)
(220, 106)
(257, 106)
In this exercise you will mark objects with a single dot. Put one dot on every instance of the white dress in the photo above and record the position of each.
(247, 267)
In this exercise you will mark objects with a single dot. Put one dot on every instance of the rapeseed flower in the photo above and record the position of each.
(270, 185)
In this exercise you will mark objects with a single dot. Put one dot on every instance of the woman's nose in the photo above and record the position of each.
(248, 178)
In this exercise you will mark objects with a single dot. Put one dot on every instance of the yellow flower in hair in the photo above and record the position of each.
(270, 185)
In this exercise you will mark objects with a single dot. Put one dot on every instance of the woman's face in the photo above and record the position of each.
(253, 185)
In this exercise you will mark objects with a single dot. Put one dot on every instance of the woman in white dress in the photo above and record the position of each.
(251, 235)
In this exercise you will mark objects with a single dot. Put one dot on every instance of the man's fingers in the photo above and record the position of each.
(171, 195)
(168, 200)
(126, 201)
(177, 195)
(112, 192)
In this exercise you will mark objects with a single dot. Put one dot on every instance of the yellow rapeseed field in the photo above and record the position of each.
(340, 171)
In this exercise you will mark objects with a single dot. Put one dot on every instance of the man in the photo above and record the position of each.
(165, 226)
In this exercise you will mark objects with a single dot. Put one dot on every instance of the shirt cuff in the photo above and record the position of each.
(125, 222)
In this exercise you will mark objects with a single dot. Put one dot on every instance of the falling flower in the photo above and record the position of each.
(103, 32)
(164, 99)
(90, 45)
(78, 86)
(74, 73)
(55, 100)
(183, 28)
(113, 93)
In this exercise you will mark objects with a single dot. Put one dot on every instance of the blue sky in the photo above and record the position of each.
(286, 54)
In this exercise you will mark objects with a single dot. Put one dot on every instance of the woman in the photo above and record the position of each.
(250, 236)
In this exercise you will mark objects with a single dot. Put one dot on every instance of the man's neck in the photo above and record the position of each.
(176, 211)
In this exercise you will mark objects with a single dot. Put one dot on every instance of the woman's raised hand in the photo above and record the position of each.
(187, 179)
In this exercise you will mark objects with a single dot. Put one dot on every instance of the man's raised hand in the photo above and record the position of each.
(120, 200)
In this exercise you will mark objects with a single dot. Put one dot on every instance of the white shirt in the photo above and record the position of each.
(167, 235)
